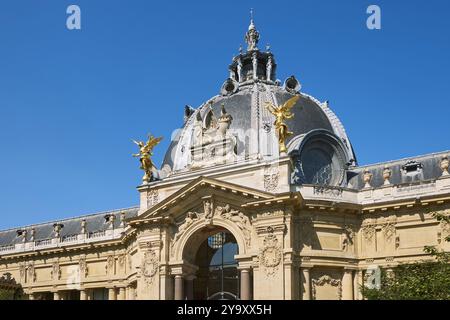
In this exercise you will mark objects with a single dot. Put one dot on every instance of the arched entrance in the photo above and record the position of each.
(212, 267)
(217, 277)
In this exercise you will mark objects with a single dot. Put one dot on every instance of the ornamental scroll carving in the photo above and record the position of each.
(368, 231)
(149, 266)
(270, 255)
(239, 218)
(110, 265)
(210, 211)
(190, 218)
(326, 279)
(388, 230)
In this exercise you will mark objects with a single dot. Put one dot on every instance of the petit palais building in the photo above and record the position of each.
(259, 196)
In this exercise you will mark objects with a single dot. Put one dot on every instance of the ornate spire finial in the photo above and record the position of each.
(252, 35)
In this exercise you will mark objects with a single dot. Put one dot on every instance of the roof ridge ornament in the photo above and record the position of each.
(252, 35)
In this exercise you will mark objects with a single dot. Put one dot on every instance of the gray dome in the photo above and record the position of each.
(252, 123)
(242, 106)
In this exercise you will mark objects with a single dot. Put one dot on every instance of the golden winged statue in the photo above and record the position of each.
(145, 154)
(282, 113)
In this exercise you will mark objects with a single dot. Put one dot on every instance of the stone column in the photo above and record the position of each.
(31, 296)
(132, 293)
(306, 281)
(358, 282)
(56, 296)
(111, 294)
(83, 295)
(347, 285)
(179, 287)
(189, 282)
(245, 285)
(121, 295)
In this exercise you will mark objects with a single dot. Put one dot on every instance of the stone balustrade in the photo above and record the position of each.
(75, 239)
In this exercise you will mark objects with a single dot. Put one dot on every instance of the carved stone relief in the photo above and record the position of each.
(388, 230)
(152, 198)
(324, 280)
(121, 261)
(212, 143)
(22, 271)
(368, 232)
(239, 218)
(56, 271)
(149, 266)
(270, 255)
(190, 218)
(208, 208)
(31, 273)
(110, 265)
(275, 213)
(83, 267)
(210, 211)
(271, 178)
(347, 237)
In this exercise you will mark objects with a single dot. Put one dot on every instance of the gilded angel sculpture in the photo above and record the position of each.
(145, 154)
(282, 113)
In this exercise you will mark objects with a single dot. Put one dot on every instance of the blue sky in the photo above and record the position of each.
(70, 101)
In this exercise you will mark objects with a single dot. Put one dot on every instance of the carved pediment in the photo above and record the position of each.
(203, 193)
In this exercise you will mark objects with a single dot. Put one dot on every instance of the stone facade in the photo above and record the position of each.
(306, 224)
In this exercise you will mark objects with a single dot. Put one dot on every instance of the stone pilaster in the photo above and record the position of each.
(246, 289)
(179, 287)
(306, 283)
(347, 285)
(111, 293)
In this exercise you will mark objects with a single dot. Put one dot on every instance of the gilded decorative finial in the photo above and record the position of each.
(145, 154)
(281, 114)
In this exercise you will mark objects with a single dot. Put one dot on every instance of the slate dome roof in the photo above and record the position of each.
(245, 94)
